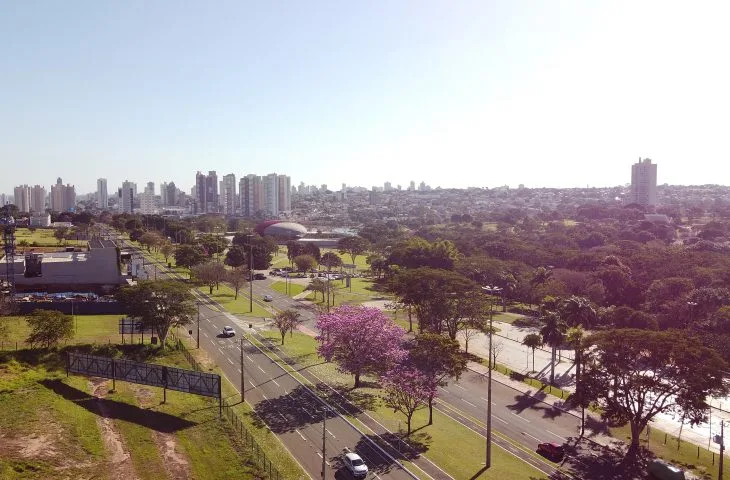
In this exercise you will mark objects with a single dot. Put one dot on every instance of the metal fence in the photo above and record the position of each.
(251, 445)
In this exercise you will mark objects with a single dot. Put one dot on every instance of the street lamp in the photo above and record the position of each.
(250, 272)
(491, 290)
(691, 306)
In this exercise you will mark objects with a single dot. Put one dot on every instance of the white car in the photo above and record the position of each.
(228, 331)
(355, 465)
(268, 298)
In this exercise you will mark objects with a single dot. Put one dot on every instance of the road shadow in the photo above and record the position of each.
(536, 402)
(159, 421)
(587, 459)
(406, 448)
(286, 413)
(358, 400)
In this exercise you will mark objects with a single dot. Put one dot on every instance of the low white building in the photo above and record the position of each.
(42, 220)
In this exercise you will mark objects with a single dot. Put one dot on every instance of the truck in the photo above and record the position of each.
(661, 470)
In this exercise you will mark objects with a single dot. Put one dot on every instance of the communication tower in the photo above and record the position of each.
(7, 224)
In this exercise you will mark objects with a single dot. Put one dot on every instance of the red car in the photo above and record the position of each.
(553, 451)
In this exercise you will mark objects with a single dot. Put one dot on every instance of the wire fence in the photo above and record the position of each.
(257, 453)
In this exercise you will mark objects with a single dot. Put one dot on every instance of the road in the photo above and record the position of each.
(294, 412)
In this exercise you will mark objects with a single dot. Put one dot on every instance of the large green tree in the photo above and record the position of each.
(353, 246)
(162, 304)
(48, 327)
(263, 248)
(189, 255)
(636, 375)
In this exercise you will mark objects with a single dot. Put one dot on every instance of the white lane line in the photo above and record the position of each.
(238, 346)
(275, 382)
(230, 361)
(282, 416)
(553, 433)
(252, 384)
(500, 419)
(468, 403)
(531, 436)
(249, 358)
(521, 418)
(261, 368)
(463, 388)
(328, 431)
(206, 335)
(221, 350)
(318, 453)
(208, 320)
(264, 395)
(303, 438)
(239, 370)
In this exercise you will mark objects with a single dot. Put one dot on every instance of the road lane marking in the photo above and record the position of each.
(264, 395)
(222, 352)
(516, 415)
(303, 438)
(261, 368)
(239, 370)
(500, 419)
(553, 433)
(468, 402)
(230, 361)
(277, 383)
(252, 384)
(328, 431)
(531, 436)
(463, 388)
(206, 335)
(208, 320)
(249, 358)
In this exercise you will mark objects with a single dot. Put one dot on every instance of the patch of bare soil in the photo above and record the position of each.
(176, 462)
(119, 461)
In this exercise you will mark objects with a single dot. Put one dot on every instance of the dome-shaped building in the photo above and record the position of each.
(281, 230)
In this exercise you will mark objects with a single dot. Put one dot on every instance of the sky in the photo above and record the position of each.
(453, 93)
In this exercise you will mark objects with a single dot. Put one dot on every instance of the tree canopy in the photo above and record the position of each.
(49, 327)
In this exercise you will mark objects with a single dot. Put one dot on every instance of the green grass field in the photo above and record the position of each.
(239, 306)
(42, 237)
(294, 288)
(87, 329)
(450, 445)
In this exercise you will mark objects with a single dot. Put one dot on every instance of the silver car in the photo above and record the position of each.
(355, 465)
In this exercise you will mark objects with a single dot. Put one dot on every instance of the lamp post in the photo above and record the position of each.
(691, 306)
(491, 290)
(198, 340)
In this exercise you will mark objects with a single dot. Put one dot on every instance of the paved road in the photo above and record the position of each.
(290, 409)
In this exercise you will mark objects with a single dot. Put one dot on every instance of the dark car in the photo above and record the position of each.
(259, 276)
(553, 451)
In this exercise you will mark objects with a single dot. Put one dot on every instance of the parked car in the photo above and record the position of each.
(553, 451)
(355, 465)
(268, 298)
(259, 276)
(228, 331)
(664, 471)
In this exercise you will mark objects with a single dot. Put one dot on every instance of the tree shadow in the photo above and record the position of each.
(357, 400)
(286, 413)
(587, 459)
(402, 449)
(159, 421)
(535, 401)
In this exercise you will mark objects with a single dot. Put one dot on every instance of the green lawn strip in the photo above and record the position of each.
(294, 288)
(521, 377)
(37, 410)
(88, 329)
(507, 317)
(269, 443)
(225, 296)
(43, 237)
(455, 448)
(704, 465)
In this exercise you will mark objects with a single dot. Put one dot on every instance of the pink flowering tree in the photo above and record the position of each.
(407, 390)
(361, 340)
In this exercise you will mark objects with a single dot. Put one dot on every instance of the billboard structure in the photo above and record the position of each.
(133, 325)
(179, 379)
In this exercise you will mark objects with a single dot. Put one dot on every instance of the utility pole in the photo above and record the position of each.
(722, 446)
(490, 290)
(250, 272)
(198, 342)
(324, 445)
(243, 379)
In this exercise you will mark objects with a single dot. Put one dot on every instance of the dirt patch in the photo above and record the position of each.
(176, 462)
(119, 461)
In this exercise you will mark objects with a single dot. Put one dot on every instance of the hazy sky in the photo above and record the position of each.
(458, 94)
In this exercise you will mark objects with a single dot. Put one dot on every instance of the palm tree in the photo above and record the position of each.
(553, 334)
(574, 337)
(532, 340)
(578, 311)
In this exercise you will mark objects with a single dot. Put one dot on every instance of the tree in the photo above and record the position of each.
(163, 304)
(212, 244)
(286, 321)
(532, 341)
(305, 263)
(293, 250)
(439, 359)
(639, 374)
(497, 349)
(209, 273)
(317, 285)
(553, 334)
(237, 278)
(189, 255)
(236, 257)
(353, 246)
(361, 340)
(407, 390)
(417, 252)
(48, 327)
(574, 338)
(263, 248)
(150, 240)
(329, 260)
(311, 249)
(167, 249)
(60, 234)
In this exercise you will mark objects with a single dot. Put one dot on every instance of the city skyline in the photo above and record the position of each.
(471, 95)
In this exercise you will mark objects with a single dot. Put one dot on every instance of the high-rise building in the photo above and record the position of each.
(102, 194)
(147, 201)
(21, 198)
(228, 194)
(3, 199)
(251, 194)
(37, 199)
(201, 205)
(271, 194)
(412, 186)
(63, 197)
(284, 193)
(211, 192)
(163, 193)
(387, 187)
(643, 182)
(171, 196)
(126, 195)
(151, 187)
